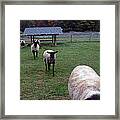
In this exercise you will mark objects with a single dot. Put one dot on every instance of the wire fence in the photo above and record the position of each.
(79, 36)
(67, 37)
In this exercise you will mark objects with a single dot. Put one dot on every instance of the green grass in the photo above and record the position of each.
(37, 84)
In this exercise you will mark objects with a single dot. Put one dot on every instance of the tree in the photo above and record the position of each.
(66, 25)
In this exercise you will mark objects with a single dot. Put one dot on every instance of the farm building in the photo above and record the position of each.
(43, 31)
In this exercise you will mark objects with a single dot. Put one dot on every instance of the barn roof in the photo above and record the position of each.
(43, 31)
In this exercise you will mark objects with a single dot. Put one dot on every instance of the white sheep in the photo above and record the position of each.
(49, 57)
(35, 49)
(84, 84)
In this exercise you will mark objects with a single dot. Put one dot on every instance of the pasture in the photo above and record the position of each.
(37, 84)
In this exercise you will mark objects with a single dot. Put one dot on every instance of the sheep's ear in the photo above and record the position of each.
(49, 52)
(56, 51)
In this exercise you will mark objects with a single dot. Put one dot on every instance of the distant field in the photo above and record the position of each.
(37, 84)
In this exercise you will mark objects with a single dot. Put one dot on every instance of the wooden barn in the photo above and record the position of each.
(43, 31)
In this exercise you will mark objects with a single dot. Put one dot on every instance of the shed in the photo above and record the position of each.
(41, 31)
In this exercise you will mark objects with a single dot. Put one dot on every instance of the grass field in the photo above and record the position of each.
(37, 84)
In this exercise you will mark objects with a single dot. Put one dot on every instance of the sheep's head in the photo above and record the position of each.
(22, 42)
(35, 43)
(52, 56)
(94, 97)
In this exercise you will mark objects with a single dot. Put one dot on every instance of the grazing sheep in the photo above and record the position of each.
(35, 49)
(49, 58)
(84, 84)
(22, 43)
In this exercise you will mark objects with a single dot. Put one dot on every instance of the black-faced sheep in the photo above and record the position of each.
(84, 84)
(35, 48)
(49, 58)
(22, 43)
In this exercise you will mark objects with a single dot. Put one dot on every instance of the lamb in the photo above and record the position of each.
(84, 84)
(35, 48)
(49, 57)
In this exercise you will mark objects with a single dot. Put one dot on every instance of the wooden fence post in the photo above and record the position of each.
(54, 40)
(31, 39)
(71, 37)
(90, 36)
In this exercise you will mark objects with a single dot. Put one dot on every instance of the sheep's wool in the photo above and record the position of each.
(83, 83)
(33, 47)
(47, 55)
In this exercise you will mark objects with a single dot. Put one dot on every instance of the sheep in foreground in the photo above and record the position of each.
(84, 84)
(49, 58)
(35, 48)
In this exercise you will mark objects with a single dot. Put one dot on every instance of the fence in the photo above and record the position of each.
(68, 37)
(79, 36)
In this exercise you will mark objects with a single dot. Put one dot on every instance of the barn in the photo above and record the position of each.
(43, 31)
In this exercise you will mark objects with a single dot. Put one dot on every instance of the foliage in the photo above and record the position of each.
(67, 25)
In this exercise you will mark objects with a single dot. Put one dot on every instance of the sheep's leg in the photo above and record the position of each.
(53, 69)
(48, 66)
(45, 64)
(36, 53)
(33, 53)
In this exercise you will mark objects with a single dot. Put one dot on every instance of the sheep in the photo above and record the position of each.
(22, 43)
(84, 84)
(49, 57)
(35, 48)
